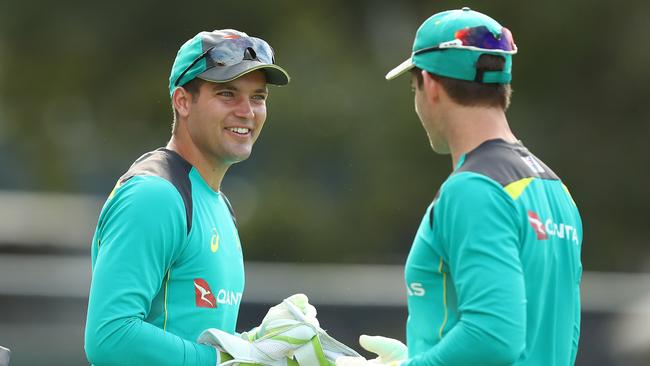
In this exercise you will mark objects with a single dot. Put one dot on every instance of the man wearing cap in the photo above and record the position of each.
(166, 258)
(494, 270)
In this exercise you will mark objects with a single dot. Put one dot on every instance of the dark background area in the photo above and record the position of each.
(343, 171)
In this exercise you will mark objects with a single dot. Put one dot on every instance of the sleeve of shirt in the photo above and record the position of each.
(576, 324)
(479, 227)
(576, 331)
(141, 230)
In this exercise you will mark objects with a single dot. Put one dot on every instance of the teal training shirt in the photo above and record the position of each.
(166, 265)
(494, 271)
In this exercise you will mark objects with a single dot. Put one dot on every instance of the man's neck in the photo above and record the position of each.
(211, 172)
(469, 127)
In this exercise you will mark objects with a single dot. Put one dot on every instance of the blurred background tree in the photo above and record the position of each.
(343, 171)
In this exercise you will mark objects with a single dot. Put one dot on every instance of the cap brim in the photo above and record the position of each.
(400, 69)
(275, 75)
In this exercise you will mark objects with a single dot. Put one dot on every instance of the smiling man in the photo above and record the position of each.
(166, 258)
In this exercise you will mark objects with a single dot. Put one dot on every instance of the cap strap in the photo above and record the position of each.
(479, 75)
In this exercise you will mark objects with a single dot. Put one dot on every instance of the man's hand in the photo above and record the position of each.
(296, 308)
(276, 348)
(293, 308)
(390, 352)
(289, 335)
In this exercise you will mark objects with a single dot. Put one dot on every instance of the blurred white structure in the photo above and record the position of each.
(65, 222)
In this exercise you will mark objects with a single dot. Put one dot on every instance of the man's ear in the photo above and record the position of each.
(431, 86)
(181, 99)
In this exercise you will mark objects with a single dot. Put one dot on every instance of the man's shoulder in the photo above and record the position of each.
(504, 163)
(468, 185)
(160, 176)
(162, 163)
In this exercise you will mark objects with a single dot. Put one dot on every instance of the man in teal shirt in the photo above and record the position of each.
(166, 258)
(494, 270)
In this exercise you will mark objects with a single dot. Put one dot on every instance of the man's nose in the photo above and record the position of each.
(245, 109)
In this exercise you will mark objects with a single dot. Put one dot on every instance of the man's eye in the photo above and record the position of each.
(259, 97)
(228, 94)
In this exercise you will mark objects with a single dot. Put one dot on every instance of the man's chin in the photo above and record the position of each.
(239, 157)
(438, 148)
(441, 151)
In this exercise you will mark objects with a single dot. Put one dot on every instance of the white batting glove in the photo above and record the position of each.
(274, 349)
(289, 335)
(295, 307)
(390, 352)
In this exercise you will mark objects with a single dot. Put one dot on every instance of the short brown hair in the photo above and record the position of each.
(193, 87)
(471, 93)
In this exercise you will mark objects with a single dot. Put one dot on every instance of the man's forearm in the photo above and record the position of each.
(466, 344)
(136, 342)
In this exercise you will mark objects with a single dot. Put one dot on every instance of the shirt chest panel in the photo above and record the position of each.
(206, 281)
(213, 251)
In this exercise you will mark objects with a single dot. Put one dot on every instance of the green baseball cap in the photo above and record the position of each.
(224, 55)
(450, 43)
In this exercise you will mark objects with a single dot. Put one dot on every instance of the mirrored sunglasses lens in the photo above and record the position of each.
(482, 37)
(227, 54)
(233, 51)
(506, 35)
(262, 50)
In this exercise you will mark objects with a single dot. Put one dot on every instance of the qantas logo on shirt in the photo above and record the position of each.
(205, 298)
(203, 295)
(538, 225)
(228, 297)
(544, 229)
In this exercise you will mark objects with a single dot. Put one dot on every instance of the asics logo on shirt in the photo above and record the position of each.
(544, 229)
(214, 241)
(203, 296)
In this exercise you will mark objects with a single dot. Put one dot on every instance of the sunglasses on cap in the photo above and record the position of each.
(477, 39)
(231, 51)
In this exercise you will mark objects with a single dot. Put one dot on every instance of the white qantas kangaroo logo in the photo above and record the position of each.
(204, 293)
(538, 223)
